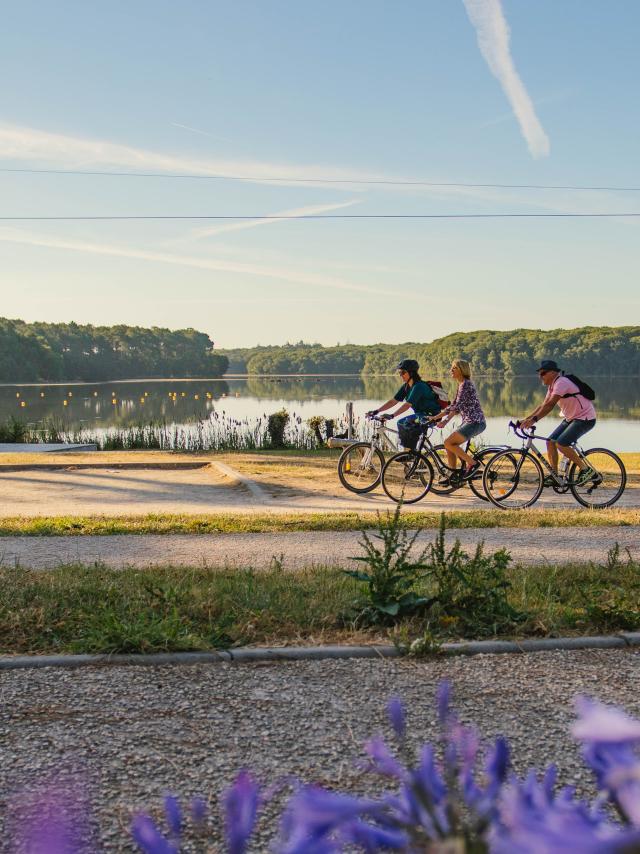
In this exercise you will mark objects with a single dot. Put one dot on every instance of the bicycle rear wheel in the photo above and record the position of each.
(360, 467)
(441, 470)
(513, 480)
(608, 484)
(406, 477)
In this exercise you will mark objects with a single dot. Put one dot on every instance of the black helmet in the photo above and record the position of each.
(409, 365)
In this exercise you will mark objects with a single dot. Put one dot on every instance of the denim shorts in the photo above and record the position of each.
(472, 428)
(568, 432)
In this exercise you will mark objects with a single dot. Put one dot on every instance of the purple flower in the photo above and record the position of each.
(603, 724)
(397, 716)
(53, 819)
(148, 838)
(173, 814)
(372, 838)
(443, 700)
(199, 810)
(617, 770)
(383, 760)
(314, 814)
(241, 803)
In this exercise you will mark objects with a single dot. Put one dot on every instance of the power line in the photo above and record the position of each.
(284, 179)
(317, 216)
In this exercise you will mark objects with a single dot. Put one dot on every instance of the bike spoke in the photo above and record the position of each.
(406, 478)
(360, 467)
(607, 483)
(512, 480)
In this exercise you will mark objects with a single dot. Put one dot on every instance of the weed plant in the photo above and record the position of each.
(467, 592)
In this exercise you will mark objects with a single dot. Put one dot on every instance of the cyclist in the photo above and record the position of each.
(467, 404)
(414, 394)
(579, 416)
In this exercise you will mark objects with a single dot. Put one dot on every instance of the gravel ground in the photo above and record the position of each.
(527, 545)
(135, 733)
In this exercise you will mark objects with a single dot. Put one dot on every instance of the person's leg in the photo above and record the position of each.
(569, 436)
(552, 453)
(453, 445)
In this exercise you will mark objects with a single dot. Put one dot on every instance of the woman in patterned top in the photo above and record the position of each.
(467, 404)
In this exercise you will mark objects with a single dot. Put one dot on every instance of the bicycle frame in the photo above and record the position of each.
(561, 481)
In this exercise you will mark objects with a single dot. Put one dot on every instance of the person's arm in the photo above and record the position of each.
(540, 411)
(388, 405)
(448, 413)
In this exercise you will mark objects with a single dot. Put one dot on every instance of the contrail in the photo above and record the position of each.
(493, 40)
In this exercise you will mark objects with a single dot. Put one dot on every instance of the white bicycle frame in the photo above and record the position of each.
(381, 440)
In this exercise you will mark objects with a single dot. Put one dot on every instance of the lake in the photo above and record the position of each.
(94, 406)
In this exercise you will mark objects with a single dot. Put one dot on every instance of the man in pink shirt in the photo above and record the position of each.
(579, 416)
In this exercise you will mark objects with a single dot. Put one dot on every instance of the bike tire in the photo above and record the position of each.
(435, 488)
(475, 484)
(613, 481)
(501, 481)
(345, 468)
(402, 487)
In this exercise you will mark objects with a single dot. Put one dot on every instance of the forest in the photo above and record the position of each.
(590, 350)
(61, 352)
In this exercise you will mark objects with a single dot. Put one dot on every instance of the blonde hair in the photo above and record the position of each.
(464, 366)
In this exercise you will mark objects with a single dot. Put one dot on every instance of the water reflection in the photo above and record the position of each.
(125, 403)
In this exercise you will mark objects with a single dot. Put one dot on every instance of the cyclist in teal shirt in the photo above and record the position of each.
(413, 394)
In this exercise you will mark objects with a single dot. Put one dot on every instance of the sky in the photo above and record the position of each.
(307, 103)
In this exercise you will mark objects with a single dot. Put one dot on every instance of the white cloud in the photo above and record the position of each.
(493, 40)
(310, 210)
(282, 274)
(58, 150)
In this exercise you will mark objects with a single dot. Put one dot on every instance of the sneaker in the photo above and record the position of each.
(471, 472)
(586, 476)
(446, 480)
(549, 481)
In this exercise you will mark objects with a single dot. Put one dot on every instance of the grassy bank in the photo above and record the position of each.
(238, 523)
(194, 609)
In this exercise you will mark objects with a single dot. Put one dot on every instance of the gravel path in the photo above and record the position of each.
(135, 733)
(527, 545)
(216, 488)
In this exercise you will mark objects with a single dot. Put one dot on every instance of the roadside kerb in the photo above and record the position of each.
(621, 640)
(257, 491)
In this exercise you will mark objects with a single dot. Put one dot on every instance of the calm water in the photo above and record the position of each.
(180, 401)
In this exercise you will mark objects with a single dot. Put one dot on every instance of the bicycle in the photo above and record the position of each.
(408, 475)
(361, 463)
(515, 478)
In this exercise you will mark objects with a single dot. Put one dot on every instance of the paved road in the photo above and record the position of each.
(131, 734)
(527, 545)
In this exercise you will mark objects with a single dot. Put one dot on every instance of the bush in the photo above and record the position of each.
(470, 592)
(14, 431)
(276, 425)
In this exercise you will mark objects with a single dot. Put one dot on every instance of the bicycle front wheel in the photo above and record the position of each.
(360, 467)
(606, 486)
(406, 477)
(513, 480)
(475, 484)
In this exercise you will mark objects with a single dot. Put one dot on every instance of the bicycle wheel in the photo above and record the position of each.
(441, 469)
(475, 484)
(360, 467)
(606, 487)
(512, 487)
(406, 477)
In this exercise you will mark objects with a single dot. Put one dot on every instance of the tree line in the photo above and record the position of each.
(60, 352)
(589, 350)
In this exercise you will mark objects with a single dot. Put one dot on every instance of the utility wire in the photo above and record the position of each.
(284, 179)
(319, 216)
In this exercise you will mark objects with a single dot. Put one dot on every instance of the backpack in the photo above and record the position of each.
(584, 388)
(440, 393)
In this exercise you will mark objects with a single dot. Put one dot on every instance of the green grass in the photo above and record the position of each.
(238, 523)
(76, 609)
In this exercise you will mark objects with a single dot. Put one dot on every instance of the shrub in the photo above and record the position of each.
(276, 425)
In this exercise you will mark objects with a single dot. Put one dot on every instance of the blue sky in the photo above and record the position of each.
(419, 90)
